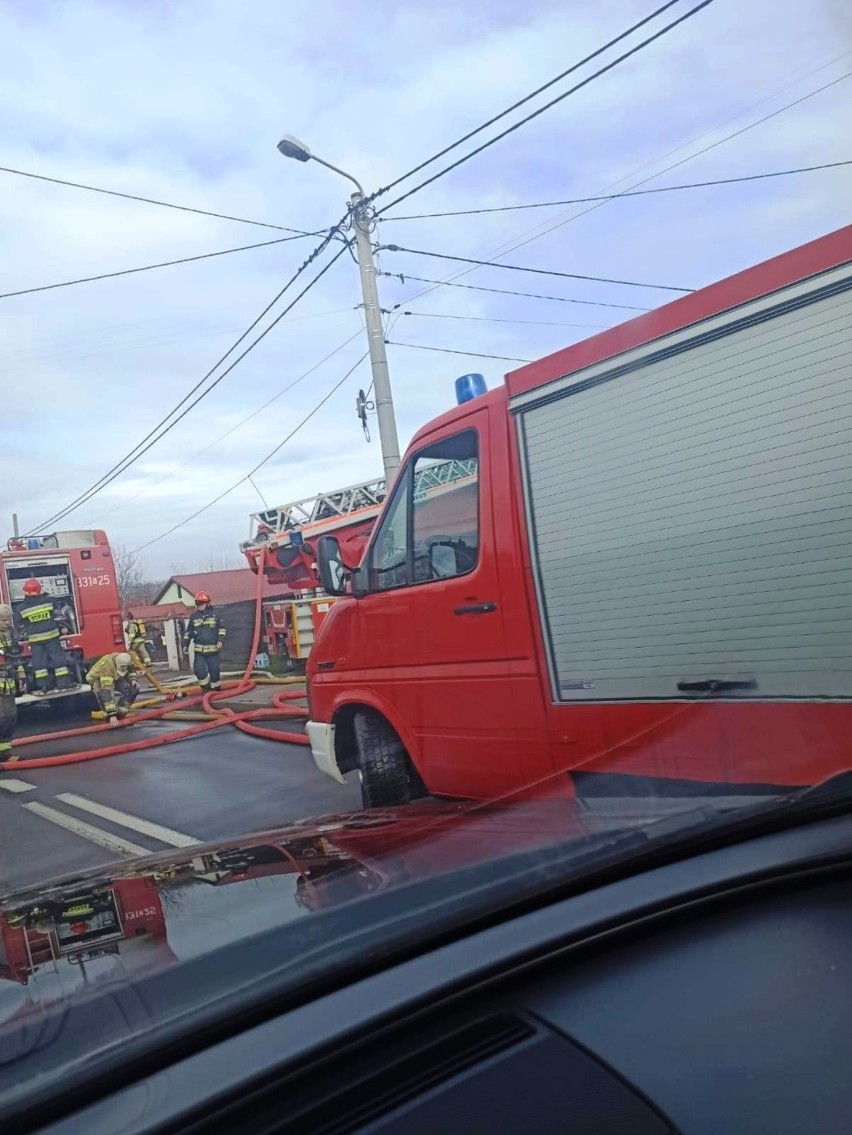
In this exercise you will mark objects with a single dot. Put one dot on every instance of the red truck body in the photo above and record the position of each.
(659, 561)
(83, 926)
(77, 571)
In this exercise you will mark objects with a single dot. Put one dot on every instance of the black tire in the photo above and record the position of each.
(383, 763)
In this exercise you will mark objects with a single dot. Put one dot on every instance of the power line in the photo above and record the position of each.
(559, 98)
(537, 271)
(521, 102)
(675, 165)
(125, 465)
(199, 453)
(402, 277)
(448, 351)
(141, 447)
(492, 319)
(153, 201)
(35, 358)
(248, 476)
(619, 196)
(147, 267)
(538, 231)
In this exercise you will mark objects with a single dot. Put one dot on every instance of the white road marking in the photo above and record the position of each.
(95, 835)
(126, 820)
(12, 785)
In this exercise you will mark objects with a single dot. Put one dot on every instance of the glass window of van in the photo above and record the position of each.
(389, 557)
(431, 528)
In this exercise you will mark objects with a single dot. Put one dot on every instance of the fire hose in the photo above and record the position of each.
(212, 714)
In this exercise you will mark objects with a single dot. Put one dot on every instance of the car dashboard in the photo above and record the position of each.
(704, 995)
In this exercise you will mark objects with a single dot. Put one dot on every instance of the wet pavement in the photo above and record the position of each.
(218, 785)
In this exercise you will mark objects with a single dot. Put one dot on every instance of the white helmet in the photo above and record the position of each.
(123, 662)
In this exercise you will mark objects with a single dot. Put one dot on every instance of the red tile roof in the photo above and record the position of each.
(223, 587)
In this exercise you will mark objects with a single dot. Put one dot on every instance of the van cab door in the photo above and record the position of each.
(435, 646)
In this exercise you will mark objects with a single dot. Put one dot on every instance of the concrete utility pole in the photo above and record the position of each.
(291, 147)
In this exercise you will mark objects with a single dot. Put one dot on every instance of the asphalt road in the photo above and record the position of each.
(219, 785)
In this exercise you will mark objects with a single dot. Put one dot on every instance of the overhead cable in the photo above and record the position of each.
(493, 319)
(521, 102)
(682, 161)
(153, 436)
(538, 231)
(147, 267)
(559, 98)
(620, 196)
(403, 276)
(260, 464)
(243, 421)
(153, 201)
(536, 271)
(448, 351)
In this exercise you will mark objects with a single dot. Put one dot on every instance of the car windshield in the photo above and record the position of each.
(284, 686)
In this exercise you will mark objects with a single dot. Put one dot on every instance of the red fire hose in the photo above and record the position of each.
(218, 715)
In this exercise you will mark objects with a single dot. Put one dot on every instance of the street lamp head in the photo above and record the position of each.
(291, 147)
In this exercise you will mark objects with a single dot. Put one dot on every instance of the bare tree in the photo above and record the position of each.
(129, 573)
(224, 561)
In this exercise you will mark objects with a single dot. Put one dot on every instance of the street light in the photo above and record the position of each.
(291, 147)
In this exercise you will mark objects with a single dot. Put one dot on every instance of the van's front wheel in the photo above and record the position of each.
(382, 761)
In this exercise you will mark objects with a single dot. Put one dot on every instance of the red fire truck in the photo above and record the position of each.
(288, 534)
(82, 925)
(638, 572)
(76, 569)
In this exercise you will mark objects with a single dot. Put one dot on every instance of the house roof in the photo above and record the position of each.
(223, 587)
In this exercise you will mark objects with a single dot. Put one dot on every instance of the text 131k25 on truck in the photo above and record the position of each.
(76, 570)
(627, 568)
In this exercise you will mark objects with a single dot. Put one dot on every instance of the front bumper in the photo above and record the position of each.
(321, 737)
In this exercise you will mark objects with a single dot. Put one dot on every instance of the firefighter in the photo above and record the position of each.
(11, 670)
(38, 620)
(204, 628)
(113, 684)
(135, 631)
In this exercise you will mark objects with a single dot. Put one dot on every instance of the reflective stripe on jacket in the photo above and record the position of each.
(38, 619)
(10, 663)
(105, 672)
(205, 629)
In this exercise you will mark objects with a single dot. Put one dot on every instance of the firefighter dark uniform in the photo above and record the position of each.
(37, 619)
(11, 673)
(113, 684)
(204, 628)
(135, 631)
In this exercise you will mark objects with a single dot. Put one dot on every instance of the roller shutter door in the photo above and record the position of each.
(691, 510)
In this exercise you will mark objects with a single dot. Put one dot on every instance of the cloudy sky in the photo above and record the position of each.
(184, 101)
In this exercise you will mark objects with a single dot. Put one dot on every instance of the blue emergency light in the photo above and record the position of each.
(470, 386)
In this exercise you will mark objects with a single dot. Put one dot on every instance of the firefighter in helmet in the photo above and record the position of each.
(41, 623)
(204, 628)
(114, 685)
(11, 673)
(135, 631)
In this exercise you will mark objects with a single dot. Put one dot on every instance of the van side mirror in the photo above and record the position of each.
(332, 571)
(443, 561)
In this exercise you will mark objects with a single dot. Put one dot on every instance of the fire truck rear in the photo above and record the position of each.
(76, 570)
(286, 538)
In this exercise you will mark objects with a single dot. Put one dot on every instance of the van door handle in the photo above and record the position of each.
(476, 609)
(716, 686)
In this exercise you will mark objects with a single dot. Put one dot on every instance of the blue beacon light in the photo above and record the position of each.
(468, 387)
